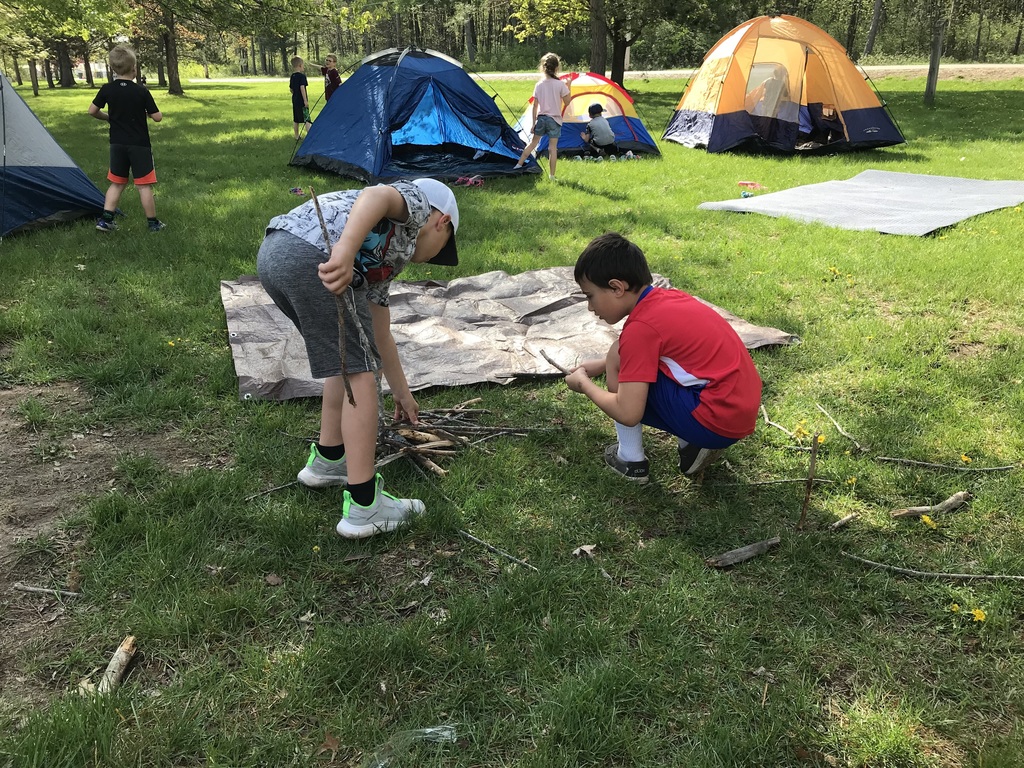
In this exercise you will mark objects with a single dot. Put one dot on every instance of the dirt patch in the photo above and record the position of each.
(47, 474)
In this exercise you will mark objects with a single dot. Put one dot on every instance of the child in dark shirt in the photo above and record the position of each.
(298, 85)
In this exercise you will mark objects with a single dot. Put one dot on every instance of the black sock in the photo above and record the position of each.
(108, 215)
(363, 494)
(152, 219)
(331, 452)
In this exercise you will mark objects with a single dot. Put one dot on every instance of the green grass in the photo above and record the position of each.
(797, 657)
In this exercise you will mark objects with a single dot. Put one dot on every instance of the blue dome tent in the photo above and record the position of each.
(39, 182)
(411, 113)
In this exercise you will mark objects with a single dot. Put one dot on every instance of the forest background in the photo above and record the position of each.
(63, 43)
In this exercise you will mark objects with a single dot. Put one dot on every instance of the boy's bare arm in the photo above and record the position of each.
(372, 205)
(406, 407)
(626, 406)
(157, 116)
(98, 113)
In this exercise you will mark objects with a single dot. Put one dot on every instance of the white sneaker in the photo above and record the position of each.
(386, 513)
(321, 473)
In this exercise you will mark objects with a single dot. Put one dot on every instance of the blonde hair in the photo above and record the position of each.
(549, 64)
(296, 60)
(122, 60)
(331, 57)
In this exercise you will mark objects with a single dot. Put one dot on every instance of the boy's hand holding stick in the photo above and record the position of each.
(339, 302)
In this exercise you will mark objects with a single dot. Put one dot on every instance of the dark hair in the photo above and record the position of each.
(549, 64)
(612, 257)
(595, 110)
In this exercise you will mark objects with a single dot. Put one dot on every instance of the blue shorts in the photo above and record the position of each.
(547, 126)
(670, 408)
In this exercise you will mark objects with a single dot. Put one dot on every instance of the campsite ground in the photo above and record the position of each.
(127, 466)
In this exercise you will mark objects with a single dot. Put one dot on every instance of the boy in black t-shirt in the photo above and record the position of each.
(298, 85)
(128, 105)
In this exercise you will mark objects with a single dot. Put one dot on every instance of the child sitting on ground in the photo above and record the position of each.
(677, 364)
(599, 136)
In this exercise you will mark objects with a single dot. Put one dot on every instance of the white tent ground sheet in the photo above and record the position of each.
(485, 328)
(891, 203)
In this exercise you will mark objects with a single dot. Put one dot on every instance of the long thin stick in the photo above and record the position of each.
(565, 371)
(932, 574)
(810, 483)
(271, 490)
(770, 423)
(495, 550)
(340, 305)
(19, 587)
(1007, 468)
(842, 431)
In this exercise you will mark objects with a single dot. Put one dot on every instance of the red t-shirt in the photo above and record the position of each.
(672, 332)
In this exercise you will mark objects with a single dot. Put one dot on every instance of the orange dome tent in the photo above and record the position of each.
(780, 83)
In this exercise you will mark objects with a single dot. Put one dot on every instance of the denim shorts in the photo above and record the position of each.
(547, 126)
(670, 408)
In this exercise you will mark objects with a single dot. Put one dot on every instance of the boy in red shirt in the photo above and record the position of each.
(677, 365)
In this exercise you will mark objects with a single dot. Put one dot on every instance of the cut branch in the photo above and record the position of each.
(843, 521)
(118, 666)
(734, 556)
(19, 587)
(810, 483)
(913, 463)
(933, 574)
(495, 550)
(770, 423)
(951, 504)
(565, 371)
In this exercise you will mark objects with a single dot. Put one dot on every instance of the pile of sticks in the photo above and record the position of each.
(441, 433)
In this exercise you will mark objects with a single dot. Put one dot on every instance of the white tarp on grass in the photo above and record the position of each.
(485, 328)
(891, 203)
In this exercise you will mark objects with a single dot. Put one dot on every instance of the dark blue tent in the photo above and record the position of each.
(39, 182)
(411, 113)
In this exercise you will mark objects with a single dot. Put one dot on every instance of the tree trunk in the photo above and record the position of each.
(33, 75)
(977, 38)
(17, 72)
(252, 53)
(598, 38)
(87, 65)
(285, 64)
(938, 29)
(851, 29)
(876, 21)
(171, 49)
(619, 46)
(65, 72)
(1020, 29)
(161, 80)
(48, 71)
(470, 31)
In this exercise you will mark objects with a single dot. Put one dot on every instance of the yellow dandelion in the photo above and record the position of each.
(869, 338)
(821, 439)
(929, 522)
(316, 549)
(978, 614)
(799, 432)
(954, 608)
(965, 458)
(943, 237)
(851, 481)
(170, 343)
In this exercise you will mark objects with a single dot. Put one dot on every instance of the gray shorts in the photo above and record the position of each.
(287, 268)
(547, 126)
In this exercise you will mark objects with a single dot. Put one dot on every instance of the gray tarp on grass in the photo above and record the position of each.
(891, 203)
(486, 328)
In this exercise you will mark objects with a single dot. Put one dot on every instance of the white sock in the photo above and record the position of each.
(631, 442)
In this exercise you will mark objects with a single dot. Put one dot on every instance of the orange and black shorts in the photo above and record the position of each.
(128, 158)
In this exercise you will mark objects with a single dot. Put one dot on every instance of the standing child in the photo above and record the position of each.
(298, 84)
(550, 97)
(128, 105)
(376, 232)
(677, 365)
(332, 79)
(599, 135)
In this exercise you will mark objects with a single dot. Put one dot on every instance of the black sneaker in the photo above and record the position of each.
(105, 226)
(634, 471)
(693, 459)
(155, 225)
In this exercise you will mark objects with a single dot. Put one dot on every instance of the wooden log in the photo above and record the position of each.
(953, 503)
(734, 556)
(118, 666)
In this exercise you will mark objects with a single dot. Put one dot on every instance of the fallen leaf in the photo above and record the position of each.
(331, 744)
(425, 581)
(307, 617)
(586, 550)
(273, 580)
(356, 556)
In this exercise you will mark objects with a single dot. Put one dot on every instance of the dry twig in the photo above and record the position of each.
(770, 423)
(913, 463)
(843, 521)
(565, 371)
(740, 554)
(932, 574)
(810, 483)
(842, 431)
(118, 666)
(495, 550)
(19, 587)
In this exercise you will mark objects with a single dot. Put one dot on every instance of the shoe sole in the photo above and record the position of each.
(705, 459)
(348, 531)
(637, 480)
(319, 481)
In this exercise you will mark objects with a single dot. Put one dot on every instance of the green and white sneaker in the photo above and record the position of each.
(321, 473)
(386, 513)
